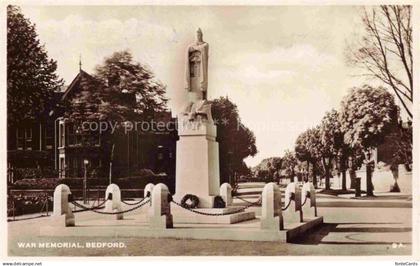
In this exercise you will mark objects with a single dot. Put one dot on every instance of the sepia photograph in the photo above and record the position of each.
(209, 130)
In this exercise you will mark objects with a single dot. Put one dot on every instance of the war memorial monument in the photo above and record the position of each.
(200, 208)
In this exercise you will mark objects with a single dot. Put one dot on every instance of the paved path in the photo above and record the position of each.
(347, 231)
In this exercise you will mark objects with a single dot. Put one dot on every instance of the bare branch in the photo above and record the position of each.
(385, 51)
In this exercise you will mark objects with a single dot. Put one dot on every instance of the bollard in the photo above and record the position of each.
(61, 205)
(226, 193)
(271, 213)
(148, 190)
(160, 216)
(293, 212)
(309, 208)
(113, 203)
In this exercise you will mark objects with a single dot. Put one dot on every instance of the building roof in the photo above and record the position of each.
(75, 84)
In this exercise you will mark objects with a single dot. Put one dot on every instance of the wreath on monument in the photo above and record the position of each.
(219, 202)
(190, 201)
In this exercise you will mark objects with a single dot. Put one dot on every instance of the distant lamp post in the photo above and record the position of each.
(160, 161)
(85, 163)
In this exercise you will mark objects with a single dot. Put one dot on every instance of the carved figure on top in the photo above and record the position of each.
(196, 80)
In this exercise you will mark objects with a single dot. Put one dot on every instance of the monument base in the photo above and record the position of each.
(248, 231)
(197, 161)
(216, 216)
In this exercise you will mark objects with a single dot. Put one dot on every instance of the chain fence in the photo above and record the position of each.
(132, 203)
(258, 202)
(290, 201)
(246, 201)
(141, 203)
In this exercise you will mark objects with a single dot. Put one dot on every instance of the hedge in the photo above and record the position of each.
(31, 173)
(27, 205)
(36, 183)
(75, 183)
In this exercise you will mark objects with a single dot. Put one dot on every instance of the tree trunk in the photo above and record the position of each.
(343, 182)
(395, 187)
(293, 174)
(369, 184)
(327, 175)
(352, 173)
(314, 181)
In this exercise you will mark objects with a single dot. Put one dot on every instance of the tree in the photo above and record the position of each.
(307, 148)
(270, 166)
(331, 144)
(289, 163)
(120, 91)
(236, 141)
(367, 116)
(385, 51)
(400, 145)
(31, 75)
(124, 78)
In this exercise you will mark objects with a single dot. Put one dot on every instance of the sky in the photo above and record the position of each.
(283, 66)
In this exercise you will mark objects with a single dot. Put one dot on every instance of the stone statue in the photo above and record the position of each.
(196, 80)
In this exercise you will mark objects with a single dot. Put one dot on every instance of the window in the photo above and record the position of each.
(71, 137)
(62, 135)
(28, 138)
(20, 134)
(49, 136)
(74, 136)
(75, 167)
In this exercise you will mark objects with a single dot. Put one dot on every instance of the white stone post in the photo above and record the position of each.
(226, 193)
(293, 213)
(160, 216)
(113, 203)
(148, 190)
(271, 214)
(308, 194)
(61, 205)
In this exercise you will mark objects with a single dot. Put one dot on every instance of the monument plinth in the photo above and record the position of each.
(197, 164)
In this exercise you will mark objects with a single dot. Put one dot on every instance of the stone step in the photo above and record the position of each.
(247, 191)
(250, 196)
(247, 231)
(246, 195)
(194, 218)
(219, 210)
(181, 215)
(251, 185)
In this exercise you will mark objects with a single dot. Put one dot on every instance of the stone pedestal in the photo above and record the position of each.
(160, 216)
(293, 197)
(113, 203)
(271, 214)
(148, 190)
(309, 201)
(197, 161)
(226, 193)
(62, 212)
